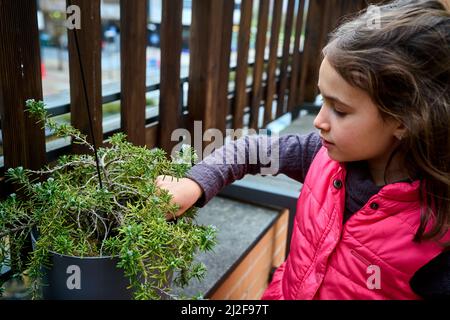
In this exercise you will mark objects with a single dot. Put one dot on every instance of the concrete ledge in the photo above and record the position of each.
(278, 192)
(240, 226)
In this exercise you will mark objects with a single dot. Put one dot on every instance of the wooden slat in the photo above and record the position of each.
(326, 28)
(335, 14)
(271, 68)
(312, 51)
(171, 43)
(296, 58)
(250, 92)
(20, 79)
(285, 59)
(261, 36)
(89, 40)
(323, 17)
(242, 63)
(332, 17)
(151, 134)
(346, 7)
(133, 27)
(205, 54)
(224, 73)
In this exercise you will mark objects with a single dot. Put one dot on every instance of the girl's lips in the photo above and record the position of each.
(326, 143)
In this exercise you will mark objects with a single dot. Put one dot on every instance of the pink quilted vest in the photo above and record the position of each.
(372, 256)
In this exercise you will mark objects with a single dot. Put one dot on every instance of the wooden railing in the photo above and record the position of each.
(209, 99)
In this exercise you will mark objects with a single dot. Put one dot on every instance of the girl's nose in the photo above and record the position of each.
(321, 122)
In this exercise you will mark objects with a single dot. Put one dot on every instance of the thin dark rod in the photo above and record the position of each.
(88, 109)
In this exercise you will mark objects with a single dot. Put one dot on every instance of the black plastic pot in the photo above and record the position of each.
(84, 278)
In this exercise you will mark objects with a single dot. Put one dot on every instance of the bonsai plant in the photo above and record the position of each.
(126, 218)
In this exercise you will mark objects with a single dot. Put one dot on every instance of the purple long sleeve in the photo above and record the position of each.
(288, 154)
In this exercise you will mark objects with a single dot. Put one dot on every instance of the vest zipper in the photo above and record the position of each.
(360, 257)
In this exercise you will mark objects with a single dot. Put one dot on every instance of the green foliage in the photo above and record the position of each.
(125, 218)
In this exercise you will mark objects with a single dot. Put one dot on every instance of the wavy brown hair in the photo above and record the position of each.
(399, 53)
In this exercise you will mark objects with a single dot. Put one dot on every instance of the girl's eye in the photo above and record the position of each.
(332, 106)
(339, 113)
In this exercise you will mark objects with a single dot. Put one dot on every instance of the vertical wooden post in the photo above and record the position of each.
(89, 41)
(285, 59)
(296, 58)
(335, 14)
(273, 58)
(327, 24)
(261, 36)
(204, 68)
(170, 89)
(312, 51)
(224, 73)
(20, 79)
(240, 100)
(133, 31)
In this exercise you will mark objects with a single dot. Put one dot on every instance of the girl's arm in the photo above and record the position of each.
(288, 154)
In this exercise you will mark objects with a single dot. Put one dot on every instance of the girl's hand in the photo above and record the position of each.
(185, 192)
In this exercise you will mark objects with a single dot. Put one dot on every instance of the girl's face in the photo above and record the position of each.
(351, 123)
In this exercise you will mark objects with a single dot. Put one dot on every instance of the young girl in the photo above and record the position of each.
(373, 216)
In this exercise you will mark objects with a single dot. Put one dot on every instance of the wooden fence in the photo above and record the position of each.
(290, 78)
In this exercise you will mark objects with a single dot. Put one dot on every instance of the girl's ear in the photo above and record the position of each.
(400, 131)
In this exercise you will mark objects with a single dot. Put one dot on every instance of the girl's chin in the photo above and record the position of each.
(331, 155)
(336, 156)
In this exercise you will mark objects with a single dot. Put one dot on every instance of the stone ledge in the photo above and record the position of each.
(239, 228)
